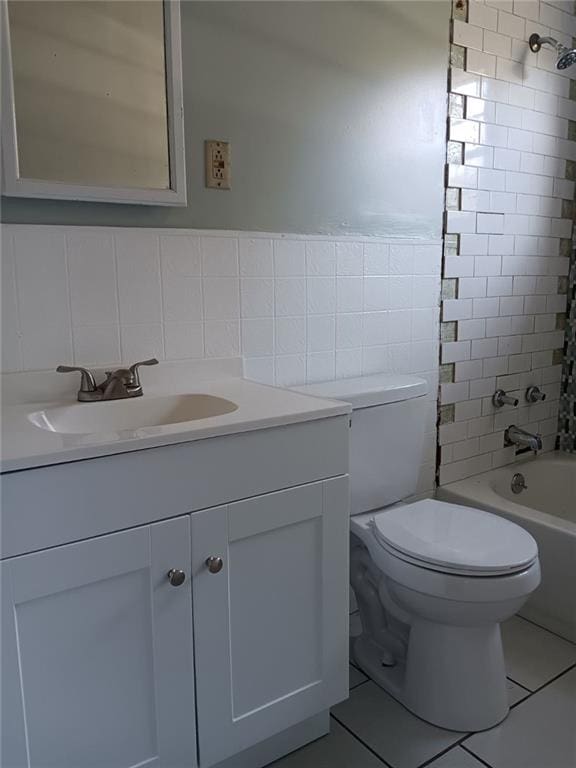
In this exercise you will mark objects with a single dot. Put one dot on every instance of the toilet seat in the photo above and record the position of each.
(469, 586)
(448, 571)
(454, 539)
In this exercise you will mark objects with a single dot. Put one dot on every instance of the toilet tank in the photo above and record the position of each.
(387, 435)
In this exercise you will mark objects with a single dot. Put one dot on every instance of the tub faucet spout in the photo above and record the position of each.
(516, 436)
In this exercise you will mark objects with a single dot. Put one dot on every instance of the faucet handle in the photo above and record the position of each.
(87, 383)
(533, 394)
(134, 369)
(501, 398)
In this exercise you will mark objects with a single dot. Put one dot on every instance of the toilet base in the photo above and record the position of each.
(452, 677)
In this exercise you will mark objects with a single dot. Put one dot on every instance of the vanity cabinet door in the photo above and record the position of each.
(270, 592)
(97, 663)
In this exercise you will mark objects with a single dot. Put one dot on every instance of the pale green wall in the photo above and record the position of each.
(336, 113)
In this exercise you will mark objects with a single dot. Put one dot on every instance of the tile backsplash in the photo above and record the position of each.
(509, 199)
(297, 309)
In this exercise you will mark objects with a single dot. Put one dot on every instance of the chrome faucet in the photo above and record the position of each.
(516, 436)
(533, 395)
(118, 385)
(501, 398)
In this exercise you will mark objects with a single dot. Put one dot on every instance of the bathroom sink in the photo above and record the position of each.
(118, 415)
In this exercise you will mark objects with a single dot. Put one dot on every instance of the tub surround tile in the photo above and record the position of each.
(510, 224)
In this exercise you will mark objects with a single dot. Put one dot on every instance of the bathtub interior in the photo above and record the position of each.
(547, 510)
(551, 486)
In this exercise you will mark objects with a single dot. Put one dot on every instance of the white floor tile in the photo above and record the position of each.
(336, 750)
(356, 677)
(400, 738)
(533, 655)
(456, 758)
(515, 693)
(538, 733)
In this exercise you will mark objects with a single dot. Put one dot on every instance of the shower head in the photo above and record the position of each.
(566, 56)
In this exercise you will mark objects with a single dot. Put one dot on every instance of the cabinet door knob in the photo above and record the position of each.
(214, 564)
(176, 577)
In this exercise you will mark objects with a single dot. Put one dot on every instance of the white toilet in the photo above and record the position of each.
(432, 580)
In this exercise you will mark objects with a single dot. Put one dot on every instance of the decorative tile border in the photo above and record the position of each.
(567, 413)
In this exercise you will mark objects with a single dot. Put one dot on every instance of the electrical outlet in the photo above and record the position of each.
(217, 164)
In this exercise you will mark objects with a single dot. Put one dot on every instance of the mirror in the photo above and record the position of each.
(92, 104)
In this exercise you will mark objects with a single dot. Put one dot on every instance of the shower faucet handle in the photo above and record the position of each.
(534, 394)
(500, 398)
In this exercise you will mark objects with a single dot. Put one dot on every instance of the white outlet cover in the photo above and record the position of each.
(217, 161)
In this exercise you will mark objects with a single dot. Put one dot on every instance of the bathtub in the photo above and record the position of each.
(547, 509)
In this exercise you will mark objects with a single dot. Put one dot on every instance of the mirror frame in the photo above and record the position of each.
(13, 185)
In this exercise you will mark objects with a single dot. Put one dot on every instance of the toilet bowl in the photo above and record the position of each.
(463, 573)
(432, 580)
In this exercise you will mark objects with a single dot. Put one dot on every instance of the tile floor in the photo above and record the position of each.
(371, 730)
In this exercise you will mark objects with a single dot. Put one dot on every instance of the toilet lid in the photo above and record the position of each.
(455, 538)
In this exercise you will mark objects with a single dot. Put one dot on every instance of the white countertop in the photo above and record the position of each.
(24, 445)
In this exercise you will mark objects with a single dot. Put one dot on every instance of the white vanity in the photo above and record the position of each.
(173, 595)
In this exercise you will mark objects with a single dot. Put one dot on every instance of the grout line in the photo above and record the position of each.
(518, 684)
(475, 756)
(66, 254)
(202, 297)
(444, 751)
(161, 289)
(14, 281)
(362, 682)
(117, 297)
(367, 746)
(534, 624)
(544, 685)
(530, 695)
(549, 682)
(460, 742)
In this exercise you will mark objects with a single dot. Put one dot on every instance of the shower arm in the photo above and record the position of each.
(536, 42)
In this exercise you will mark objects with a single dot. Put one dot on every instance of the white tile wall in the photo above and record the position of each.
(297, 309)
(512, 182)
